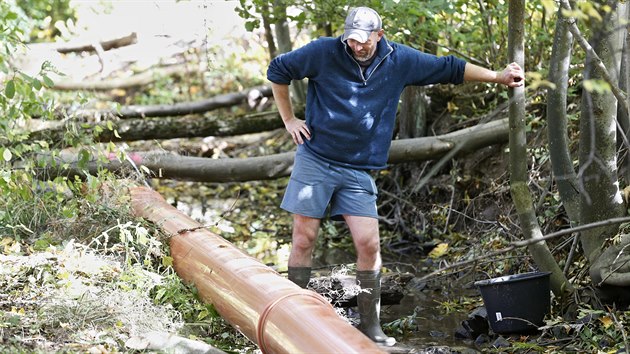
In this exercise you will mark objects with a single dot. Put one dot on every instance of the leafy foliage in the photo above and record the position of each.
(47, 18)
(20, 99)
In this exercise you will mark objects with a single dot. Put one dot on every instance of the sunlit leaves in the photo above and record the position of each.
(587, 10)
(598, 86)
(46, 18)
(606, 321)
(439, 250)
(167, 261)
(577, 14)
(535, 80)
(10, 16)
(549, 6)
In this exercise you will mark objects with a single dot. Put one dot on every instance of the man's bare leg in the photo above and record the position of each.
(305, 230)
(366, 239)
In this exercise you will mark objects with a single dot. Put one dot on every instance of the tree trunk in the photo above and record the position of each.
(413, 113)
(559, 151)
(623, 135)
(200, 169)
(414, 101)
(271, 44)
(600, 195)
(518, 157)
(283, 35)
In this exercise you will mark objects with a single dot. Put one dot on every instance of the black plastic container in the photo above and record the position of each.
(516, 303)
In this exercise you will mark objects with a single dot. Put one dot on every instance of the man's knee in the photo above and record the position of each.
(303, 242)
(368, 246)
(305, 232)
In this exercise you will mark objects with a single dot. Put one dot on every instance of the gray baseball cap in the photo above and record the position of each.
(360, 22)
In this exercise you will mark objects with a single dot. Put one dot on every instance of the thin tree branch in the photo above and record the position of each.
(518, 244)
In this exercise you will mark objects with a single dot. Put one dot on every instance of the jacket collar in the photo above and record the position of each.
(383, 49)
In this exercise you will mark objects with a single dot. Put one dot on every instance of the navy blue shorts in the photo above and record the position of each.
(316, 184)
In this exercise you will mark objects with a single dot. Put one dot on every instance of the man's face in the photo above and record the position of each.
(364, 51)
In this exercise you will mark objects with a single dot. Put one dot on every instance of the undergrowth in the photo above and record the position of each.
(111, 282)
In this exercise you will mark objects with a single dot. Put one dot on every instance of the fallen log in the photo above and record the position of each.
(104, 44)
(342, 290)
(141, 79)
(165, 128)
(180, 109)
(269, 309)
(201, 169)
(252, 96)
(83, 45)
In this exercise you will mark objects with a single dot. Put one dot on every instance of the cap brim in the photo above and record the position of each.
(358, 35)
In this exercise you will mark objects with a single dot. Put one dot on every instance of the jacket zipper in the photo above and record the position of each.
(359, 66)
(376, 67)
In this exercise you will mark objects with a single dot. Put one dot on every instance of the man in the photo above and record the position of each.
(355, 82)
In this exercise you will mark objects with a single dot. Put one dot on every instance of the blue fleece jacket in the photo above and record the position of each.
(350, 114)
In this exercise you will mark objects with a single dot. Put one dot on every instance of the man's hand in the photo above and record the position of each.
(298, 130)
(296, 127)
(511, 76)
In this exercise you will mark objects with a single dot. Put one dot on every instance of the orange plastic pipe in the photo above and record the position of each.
(269, 309)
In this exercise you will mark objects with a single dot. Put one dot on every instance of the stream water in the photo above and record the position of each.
(433, 324)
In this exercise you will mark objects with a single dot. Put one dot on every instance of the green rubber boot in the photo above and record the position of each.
(300, 276)
(369, 305)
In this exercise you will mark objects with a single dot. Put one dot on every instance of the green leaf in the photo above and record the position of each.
(47, 81)
(37, 85)
(41, 244)
(84, 158)
(142, 235)
(13, 320)
(26, 77)
(9, 90)
(167, 261)
(11, 16)
(7, 155)
(160, 294)
(250, 26)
